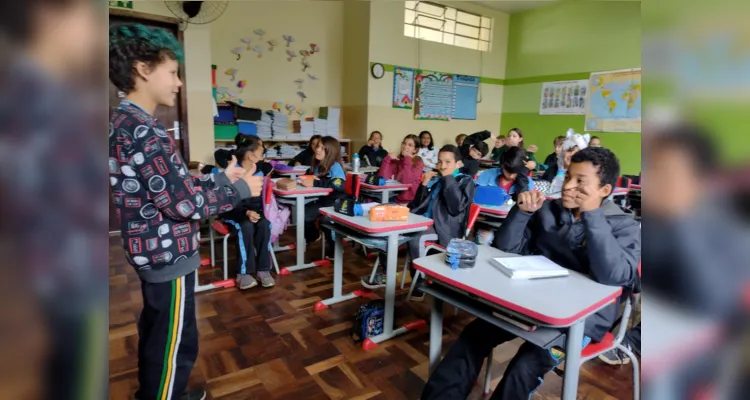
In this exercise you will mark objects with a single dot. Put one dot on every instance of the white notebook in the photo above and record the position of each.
(529, 267)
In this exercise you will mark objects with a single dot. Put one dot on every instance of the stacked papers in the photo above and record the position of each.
(264, 125)
(334, 114)
(528, 267)
(280, 123)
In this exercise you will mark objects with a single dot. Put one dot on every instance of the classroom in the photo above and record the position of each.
(354, 166)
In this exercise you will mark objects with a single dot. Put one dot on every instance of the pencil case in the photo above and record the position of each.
(373, 179)
(348, 206)
(490, 196)
(461, 254)
(389, 212)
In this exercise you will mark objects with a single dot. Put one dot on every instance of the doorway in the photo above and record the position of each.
(173, 118)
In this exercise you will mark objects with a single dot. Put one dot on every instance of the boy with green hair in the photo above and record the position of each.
(159, 204)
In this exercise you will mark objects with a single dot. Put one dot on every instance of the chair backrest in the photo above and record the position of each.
(353, 182)
(474, 210)
(267, 192)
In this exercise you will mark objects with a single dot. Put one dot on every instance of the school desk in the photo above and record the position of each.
(385, 190)
(291, 173)
(298, 197)
(558, 306)
(361, 227)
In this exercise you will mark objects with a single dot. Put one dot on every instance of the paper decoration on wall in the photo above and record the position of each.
(291, 55)
(403, 87)
(433, 96)
(247, 40)
(277, 106)
(232, 72)
(289, 39)
(299, 83)
(312, 77)
(259, 50)
(305, 65)
(304, 54)
(259, 32)
(563, 98)
(272, 43)
(302, 96)
(290, 108)
(238, 51)
(241, 84)
(301, 112)
(314, 48)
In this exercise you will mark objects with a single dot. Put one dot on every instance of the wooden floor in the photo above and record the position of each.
(269, 344)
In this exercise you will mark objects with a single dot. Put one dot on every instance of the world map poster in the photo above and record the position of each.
(614, 103)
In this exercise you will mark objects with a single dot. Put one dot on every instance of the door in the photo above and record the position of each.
(173, 118)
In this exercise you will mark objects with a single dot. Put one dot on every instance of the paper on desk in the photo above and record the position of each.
(529, 267)
(367, 206)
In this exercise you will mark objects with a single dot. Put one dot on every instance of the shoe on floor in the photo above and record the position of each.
(417, 295)
(265, 279)
(615, 357)
(197, 394)
(246, 281)
(377, 282)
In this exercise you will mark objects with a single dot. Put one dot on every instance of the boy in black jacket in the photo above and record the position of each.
(159, 205)
(446, 199)
(581, 231)
(473, 148)
(551, 160)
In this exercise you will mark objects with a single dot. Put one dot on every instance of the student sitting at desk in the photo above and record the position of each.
(510, 179)
(328, 172)
(372, 154)
(515, 139)
(445, 198)
(427, 151)
(551, 160)
(581, 231)
(306, 156)
(573, 143)
(405, 167)
(250, 224)
(473, 149)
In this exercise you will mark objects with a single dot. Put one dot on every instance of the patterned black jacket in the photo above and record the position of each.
(158, 203)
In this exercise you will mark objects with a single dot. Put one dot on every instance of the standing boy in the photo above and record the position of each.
(159, 205)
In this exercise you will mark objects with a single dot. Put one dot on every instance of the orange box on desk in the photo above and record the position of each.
(389, 212)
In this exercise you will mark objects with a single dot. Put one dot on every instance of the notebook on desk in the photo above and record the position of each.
(529, 267)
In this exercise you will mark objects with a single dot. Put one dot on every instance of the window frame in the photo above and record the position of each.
(414, 29)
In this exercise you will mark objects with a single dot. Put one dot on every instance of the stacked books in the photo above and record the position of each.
(529, 267)
(287, 150)
(280, 123)
(320, 126)
(307, 129)
(264, 125)
(334, 114)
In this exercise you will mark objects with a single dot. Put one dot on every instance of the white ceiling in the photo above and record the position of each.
(513, 6)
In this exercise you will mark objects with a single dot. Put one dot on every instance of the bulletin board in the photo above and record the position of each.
(441, 97)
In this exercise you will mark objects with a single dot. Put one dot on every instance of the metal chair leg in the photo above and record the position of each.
(488, 372)
(273, 258)
(374, 269)
(213, 245)
(413, 285)
(403, 272)
(226, 259)
(636, 371)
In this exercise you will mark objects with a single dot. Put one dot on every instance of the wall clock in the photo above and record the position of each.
(377, 70)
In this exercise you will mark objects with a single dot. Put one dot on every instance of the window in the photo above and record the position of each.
(438, 23)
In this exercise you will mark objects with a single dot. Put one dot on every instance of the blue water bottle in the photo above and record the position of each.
(355, 163)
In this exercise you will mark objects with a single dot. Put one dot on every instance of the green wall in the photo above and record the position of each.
(567, 41)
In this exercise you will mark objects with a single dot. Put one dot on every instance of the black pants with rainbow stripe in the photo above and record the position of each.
(167, 338)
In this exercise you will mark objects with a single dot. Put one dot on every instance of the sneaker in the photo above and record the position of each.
(615, 357)
(417, 295)
(245, 281)
(265, 279)
(377, 282)
(197, 394)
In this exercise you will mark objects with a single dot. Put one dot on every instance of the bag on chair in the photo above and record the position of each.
(275, 213)
(368, 321)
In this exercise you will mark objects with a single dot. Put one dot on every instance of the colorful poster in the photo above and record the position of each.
(403, 87)
(614, 103)
(433, 96)
(564, 98)
(465, 94)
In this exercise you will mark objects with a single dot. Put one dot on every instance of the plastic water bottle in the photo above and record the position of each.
(355, 163)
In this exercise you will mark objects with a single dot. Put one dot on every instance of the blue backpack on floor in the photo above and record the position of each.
(369, 321)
